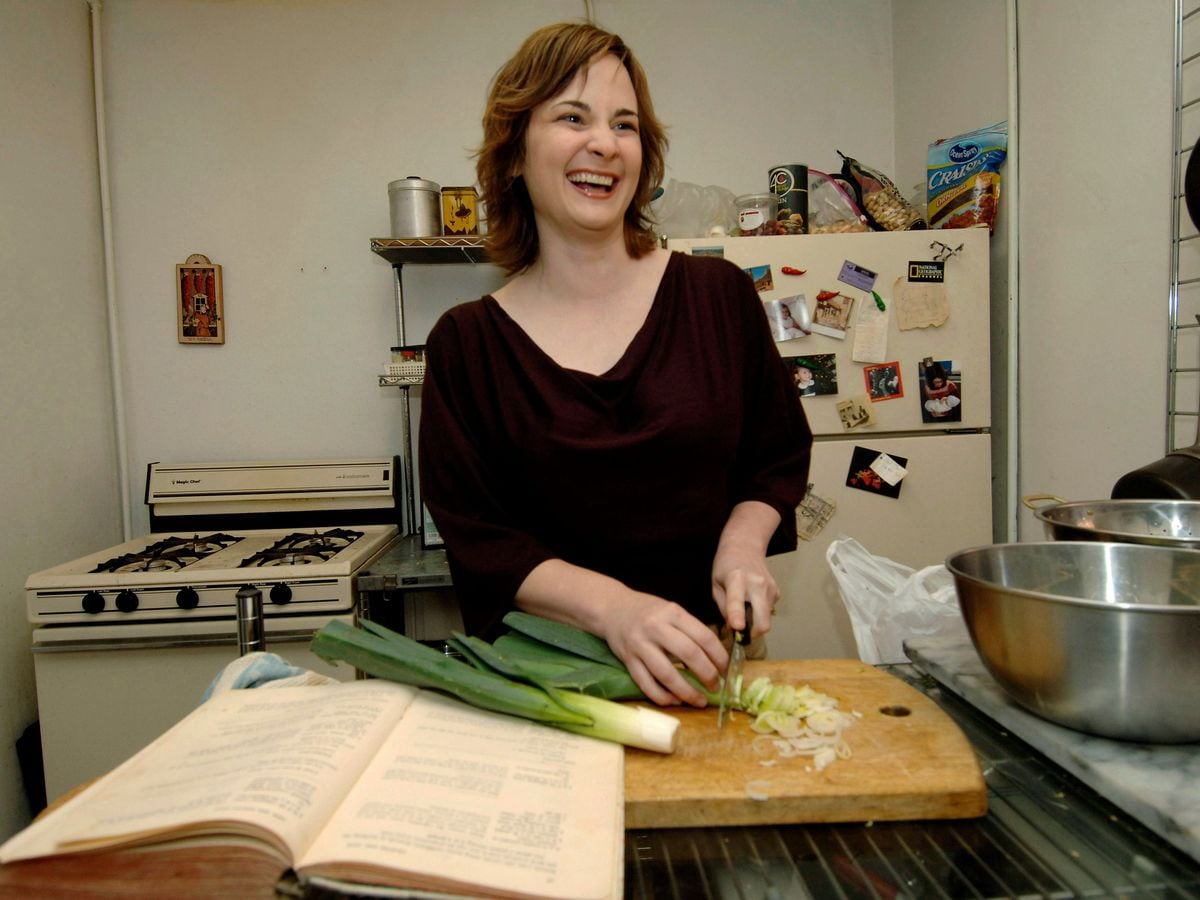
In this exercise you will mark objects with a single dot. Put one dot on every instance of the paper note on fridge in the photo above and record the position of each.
(888, 469)
(919, 304)
(870, 337)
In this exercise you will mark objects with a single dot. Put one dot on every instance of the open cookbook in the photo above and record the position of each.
(369, 782)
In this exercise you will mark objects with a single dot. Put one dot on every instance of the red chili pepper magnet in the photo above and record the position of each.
(788, 270)
(827, 295)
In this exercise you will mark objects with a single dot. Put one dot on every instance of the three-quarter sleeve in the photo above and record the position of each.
(463, 478)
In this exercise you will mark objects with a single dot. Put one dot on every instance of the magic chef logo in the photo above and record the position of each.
(185, 481)
(961, 153)
(352, 475)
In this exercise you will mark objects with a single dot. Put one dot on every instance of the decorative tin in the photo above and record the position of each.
(460, 211)
(790, 185)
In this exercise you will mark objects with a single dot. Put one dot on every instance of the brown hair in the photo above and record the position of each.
(547, 62)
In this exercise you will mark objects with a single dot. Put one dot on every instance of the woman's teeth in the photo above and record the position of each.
(589, 179)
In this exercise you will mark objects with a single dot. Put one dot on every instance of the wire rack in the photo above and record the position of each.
(1183, 388)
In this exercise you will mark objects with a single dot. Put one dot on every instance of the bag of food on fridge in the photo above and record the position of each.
(879, 198)
(963, 186)
(830, 209)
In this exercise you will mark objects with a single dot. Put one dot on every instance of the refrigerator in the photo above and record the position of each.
(874, 326)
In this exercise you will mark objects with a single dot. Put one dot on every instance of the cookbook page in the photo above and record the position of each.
(276, 759)
(467, 800)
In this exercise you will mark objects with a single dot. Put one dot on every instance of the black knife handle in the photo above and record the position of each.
(743, 636)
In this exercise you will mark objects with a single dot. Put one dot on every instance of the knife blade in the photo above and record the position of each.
(733, 674)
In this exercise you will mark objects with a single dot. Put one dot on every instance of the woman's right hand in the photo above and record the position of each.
(651, 634)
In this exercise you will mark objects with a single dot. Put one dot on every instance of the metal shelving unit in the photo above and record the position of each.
(431, 251)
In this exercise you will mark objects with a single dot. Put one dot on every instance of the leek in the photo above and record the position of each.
(493, 681)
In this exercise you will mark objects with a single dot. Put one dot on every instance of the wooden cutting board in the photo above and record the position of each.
(909, 761)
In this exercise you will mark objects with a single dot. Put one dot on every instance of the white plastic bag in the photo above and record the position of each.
(889, 602)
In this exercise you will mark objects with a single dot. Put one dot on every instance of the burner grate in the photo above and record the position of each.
(303, 548)
(168, 554)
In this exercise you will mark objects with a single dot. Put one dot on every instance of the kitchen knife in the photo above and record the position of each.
(733, 674)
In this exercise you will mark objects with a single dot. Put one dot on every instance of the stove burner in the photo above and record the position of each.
(299, 549)
(169, 554)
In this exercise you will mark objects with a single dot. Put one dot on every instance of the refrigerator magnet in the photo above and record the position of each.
(832, 315)
(884, 382)
(876, 472)
(855, 412)
(761, 275)
(941, 390)
(857, 276)
(814, 375)
(919, 304)
(871, 335)
(789, 318)
(813, 514)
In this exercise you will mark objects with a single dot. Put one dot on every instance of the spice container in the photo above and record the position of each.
(460, 211)
(756, 214)
(416, 207)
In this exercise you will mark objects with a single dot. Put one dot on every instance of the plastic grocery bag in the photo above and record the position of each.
(889, 602)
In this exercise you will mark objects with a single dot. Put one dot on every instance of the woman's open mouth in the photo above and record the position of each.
(592, 182)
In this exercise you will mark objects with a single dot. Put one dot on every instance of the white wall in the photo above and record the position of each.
(946, 86)
(1095, 218)
(58, 480)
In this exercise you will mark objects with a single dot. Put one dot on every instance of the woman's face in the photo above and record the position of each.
(583, 154)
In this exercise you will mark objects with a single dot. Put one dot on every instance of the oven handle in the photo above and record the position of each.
(164, 643)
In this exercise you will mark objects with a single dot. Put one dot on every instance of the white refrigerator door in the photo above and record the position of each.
(944, 505)
(963, 339)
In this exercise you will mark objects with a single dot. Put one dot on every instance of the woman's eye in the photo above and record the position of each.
(627, 126)
(573, 118)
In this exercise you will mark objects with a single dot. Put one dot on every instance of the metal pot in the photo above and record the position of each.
(1175, 476)
(1099, 637)
(1164, 523)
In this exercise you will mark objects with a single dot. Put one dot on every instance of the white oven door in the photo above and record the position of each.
(105, 691)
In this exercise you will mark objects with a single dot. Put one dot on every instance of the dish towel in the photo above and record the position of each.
(262, 669)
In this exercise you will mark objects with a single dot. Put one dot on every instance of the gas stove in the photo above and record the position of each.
(331, 519)
(196, 575)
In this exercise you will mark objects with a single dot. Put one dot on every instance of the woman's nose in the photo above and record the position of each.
(602, 141)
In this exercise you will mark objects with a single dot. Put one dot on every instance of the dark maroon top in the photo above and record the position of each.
(631, 473)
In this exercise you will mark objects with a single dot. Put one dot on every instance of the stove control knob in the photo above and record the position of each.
(127, 601)
(281, 593)
(93, 602)
(187, 598)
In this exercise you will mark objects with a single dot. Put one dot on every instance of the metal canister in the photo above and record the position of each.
(460, 211)
(790, 184)
(416, 208)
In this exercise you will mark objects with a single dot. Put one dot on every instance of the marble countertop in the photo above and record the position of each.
(1159, 785)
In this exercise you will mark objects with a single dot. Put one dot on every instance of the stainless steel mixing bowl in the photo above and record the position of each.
(1165, 523)
(1100, 637)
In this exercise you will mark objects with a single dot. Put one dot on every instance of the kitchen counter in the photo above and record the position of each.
(1046, 834)
(1159, 785)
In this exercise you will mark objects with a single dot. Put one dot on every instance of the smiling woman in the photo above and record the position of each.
(548, 63)
(609, 440)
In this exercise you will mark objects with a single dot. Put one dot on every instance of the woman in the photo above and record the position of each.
(611, 439)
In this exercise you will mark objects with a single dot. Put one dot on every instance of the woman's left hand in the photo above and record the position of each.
(739, 572)
(740, 575)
